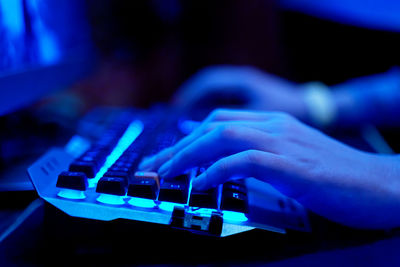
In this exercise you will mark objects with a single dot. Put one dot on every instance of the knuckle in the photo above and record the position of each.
(227, 132)
(253, 157)
(285, 123)
(217, 114)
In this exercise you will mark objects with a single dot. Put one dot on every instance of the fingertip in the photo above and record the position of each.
(165, 170)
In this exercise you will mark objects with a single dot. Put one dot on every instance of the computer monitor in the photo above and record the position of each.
(44, 46)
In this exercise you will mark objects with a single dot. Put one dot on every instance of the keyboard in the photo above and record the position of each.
(96, 176)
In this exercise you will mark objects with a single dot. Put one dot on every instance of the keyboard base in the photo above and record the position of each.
(92, 205)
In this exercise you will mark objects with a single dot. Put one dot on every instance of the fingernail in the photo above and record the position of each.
(165, 169)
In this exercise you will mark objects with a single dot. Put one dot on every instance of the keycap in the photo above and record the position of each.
(204, 199)
(119, 169)
(174, 191)
(93, 156)
(72, 180)
(234, 201)
(89, 168)
(144, 188)
(235, 186)
(144, 185)
(182, 177)
(112, 185)
(148, 175)
(119, 174)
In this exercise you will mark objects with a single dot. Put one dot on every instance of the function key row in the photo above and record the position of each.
(232, 195)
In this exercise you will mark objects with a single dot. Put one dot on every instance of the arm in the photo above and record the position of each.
(372, 99)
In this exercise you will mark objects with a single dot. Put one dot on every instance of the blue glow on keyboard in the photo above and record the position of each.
(132, 132)
(71, 194)
(77, 145)
(111, 199)
(142, 202)
(234, 216)
(169, 206)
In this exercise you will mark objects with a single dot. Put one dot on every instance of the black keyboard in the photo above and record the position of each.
(103, 180)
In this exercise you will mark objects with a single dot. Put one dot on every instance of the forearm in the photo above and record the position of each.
(365, 194)
(373, 99)
(377, 201)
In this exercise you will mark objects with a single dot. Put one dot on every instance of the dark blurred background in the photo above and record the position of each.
(148, 48)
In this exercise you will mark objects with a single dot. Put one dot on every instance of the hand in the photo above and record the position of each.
(251, 87)
(345, 185)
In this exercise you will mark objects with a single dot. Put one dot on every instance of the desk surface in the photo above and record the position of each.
(48, 237)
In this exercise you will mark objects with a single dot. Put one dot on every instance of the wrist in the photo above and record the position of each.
(320, 104)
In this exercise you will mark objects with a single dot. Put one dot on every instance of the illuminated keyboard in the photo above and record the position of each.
(96, 177)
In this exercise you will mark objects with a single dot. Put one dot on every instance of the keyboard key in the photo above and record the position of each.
(119, 169)
(144, 185)
(124, 175)
(121, 164)
(235, 186)
(89, 168)
(174, 191)
(72, 180)
(112, 186)
(182, 177)
(204, 199)
(234, 201)
(148, 175)
(144, 188)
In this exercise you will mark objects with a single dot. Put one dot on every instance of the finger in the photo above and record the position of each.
(219, 115)
(236, 115)
(262, 165)
(221, 142)
(154, 162)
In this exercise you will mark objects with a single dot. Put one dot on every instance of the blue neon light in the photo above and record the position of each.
(142, 202)
(111, 199)
(169, 206)
(234, 216)
(132, 132)
(71, 194)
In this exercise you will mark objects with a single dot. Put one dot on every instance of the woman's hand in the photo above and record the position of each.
(345, 185)
(247, 86)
